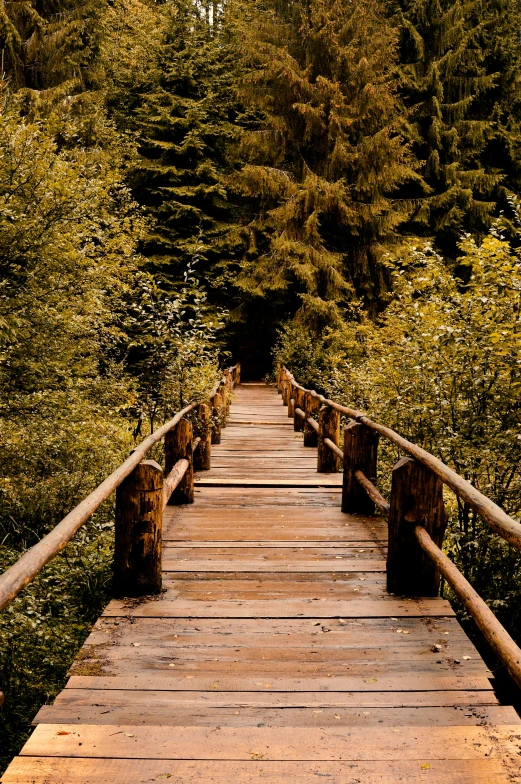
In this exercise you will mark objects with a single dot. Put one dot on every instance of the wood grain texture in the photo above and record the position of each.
(280, 743)
(275, 653)
(44, 770)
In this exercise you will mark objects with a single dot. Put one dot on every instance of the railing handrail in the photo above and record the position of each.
(30, 564)
(497, 518)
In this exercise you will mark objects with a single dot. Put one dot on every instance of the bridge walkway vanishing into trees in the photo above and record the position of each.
(275, 652)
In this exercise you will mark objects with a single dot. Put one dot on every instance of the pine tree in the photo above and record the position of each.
(500, 42)
(51, 45)
(327, 168)
(185, 124)
(448, 87)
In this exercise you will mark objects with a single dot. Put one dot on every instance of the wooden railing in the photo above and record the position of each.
(416, 511)
(142, 491)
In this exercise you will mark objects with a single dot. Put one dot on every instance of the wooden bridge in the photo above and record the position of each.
(275, 652)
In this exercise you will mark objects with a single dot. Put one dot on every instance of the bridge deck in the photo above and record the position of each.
(275, 653)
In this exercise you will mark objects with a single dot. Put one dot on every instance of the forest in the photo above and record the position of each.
(330, 184)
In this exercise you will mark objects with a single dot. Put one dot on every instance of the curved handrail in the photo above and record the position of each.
(20, 574)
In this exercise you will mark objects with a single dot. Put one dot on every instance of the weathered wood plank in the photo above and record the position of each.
(143, 714)
(280, 743)
(457, 701)
(357, 608)
(44, 770)
(172, 681)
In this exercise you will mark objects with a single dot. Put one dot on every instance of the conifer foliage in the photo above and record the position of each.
(452, 87)
(327, 167)
(184, 125)
(48, 44)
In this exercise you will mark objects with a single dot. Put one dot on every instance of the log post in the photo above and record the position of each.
(312, 406)
(178, 446)
(238, 376)
(286, 390)
(298, 397)
(217, 408)
(228, 387)
(202, 454)
(360, 454)
(416, 499)
(223, 391)
(329, 427)
(280, 373)
(137, 549)
(291, 401)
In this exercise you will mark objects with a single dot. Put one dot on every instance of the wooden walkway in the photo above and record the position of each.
(275, 653)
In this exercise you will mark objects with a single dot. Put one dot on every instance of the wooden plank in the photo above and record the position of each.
(203, 587)
(357, 608)
(217, 657)
(44, 770)
(184, 533)
(280, 743)
(218, 545)
(322, 480)
(180, 564)
(118, 661)
(290, 550)
(456, 701)
(397, 683)
(360, 633)
(239, 716)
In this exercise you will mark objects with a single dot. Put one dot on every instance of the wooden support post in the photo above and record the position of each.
(360, 454)
(312, 406)
(139, 514)
(178, 446)
(227, 391)
(223, 391)
(286, 390)
(291, 401)
(416, 499)
(217, 410)
(329, 427)
(202, 454)
(298, 422)
(238, 376)
(280, 373)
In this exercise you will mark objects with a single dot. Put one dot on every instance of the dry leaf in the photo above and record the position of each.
(426, 766)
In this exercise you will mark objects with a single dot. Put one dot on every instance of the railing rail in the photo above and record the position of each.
(497, 518)
(416, 512)
(20, 574)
